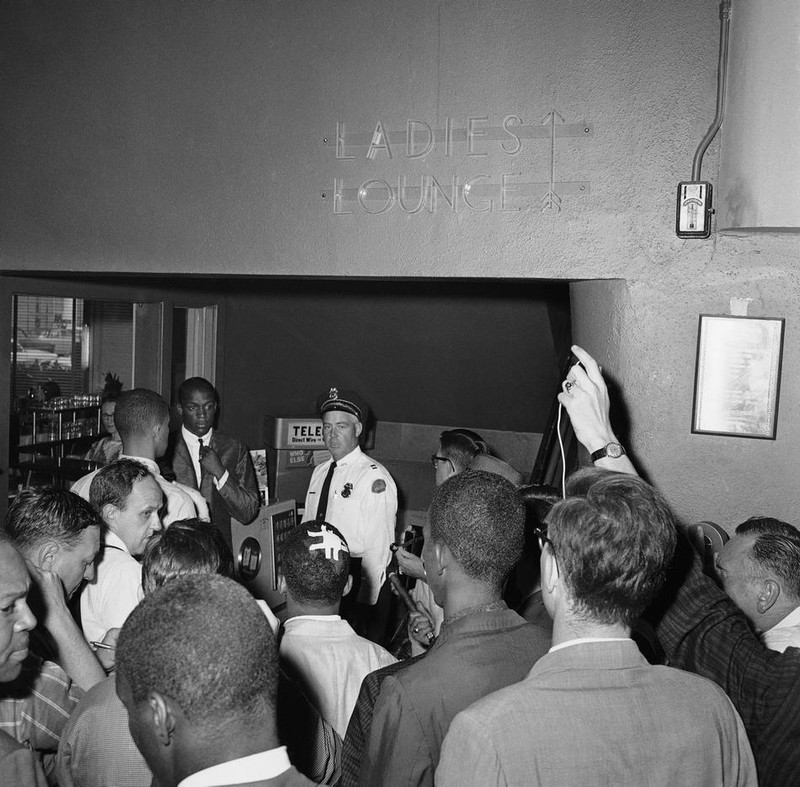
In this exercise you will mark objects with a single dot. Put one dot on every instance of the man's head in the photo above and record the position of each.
(57, 531)
(316, 567)
(197, 672)
(474, 533)
(129, 500)
(606, 554)
(197, 405)
(142, 420)
(107, 409)
(457, 449)
(16, 620)
(188, 546)
(344, 414)
(759, 568)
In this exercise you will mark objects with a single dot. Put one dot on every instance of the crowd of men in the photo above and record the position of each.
(557, 637)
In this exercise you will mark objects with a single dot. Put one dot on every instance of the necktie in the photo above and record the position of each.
(322, 507)
(200, 459)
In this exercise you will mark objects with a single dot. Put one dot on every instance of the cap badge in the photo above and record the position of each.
(333, 393)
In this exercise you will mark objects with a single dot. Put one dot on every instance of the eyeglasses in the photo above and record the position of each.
(541, 533)
(435, 459)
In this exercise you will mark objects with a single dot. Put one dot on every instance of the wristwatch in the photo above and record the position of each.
(610, 450)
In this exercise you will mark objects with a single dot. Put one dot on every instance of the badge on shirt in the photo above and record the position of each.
(378, 486)
(348, 488)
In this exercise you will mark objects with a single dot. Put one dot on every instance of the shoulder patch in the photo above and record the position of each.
(379, 485)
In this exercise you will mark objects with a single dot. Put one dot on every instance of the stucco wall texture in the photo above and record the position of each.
(189, 138)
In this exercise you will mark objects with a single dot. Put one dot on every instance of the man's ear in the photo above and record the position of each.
(45, 555)
(549, 569)
(109, 512)
(281, 584)
(179, 408)
(161, 716)
(348, 586)
(442, 557)
(770, 592)
(359, 428)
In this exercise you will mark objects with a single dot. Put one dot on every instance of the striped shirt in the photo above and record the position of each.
(705, 632)
(35, 707)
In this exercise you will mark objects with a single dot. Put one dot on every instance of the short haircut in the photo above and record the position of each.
(766, 524)
(613, 547)
(480, 517)
(112, 396)
(195, 384)
(776, 554)
(114, 483)
(187, 546)
(139, 410)
(202, 641)
(49, 513)
(314, 574)
(538, 500)
(462, 445)
(579, 482)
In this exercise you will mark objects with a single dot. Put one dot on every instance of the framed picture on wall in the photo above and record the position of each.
(738, 375)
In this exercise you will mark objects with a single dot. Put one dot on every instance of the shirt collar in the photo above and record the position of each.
(792, 619)
(192, 440)
(349, 457)
(255, 768)
(586, 640)
(111, 539)
(148, 463)
(314, 617)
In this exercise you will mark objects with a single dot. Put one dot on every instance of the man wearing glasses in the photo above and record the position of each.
(593, 710)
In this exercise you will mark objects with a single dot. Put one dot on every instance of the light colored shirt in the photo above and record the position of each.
(785, 633)
(331, 661)
(116, 589)
(193, 444)
(362, 504)
(182, 501)
(256, 767)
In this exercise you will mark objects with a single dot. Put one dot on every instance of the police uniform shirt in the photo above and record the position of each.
(362, 504)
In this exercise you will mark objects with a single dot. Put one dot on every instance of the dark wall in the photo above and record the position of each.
(477, 354)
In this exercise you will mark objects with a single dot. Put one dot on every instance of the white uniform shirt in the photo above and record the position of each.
(362, 504)
(331, 660)
(116, 589)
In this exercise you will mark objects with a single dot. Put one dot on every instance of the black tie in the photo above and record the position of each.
(322, 507)
(200, 455)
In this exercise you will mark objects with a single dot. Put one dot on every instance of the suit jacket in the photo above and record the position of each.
(472, 656)
(705, 632)
(238, 498)
(598, 713)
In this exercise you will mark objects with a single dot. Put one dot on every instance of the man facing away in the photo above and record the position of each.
(759, 568)
(129, 500)
(201, 699)
(593, 710)
(319, 648)
(142, 419)
(204, 458)
(473, 538)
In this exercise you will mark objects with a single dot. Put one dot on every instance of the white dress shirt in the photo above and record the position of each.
(255, 768)
(193, 444)
(785, 633)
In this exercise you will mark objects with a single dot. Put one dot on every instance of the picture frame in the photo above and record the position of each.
(737, 376)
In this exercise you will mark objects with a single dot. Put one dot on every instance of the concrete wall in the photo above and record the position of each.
(147, 136)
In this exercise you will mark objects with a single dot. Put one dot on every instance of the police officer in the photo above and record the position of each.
(358, 496)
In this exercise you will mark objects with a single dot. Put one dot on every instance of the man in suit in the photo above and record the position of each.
(219, 466)
(201, 699)
(473, 538)
(593, 711)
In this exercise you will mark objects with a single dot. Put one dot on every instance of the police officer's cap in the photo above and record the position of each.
(344, 401)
